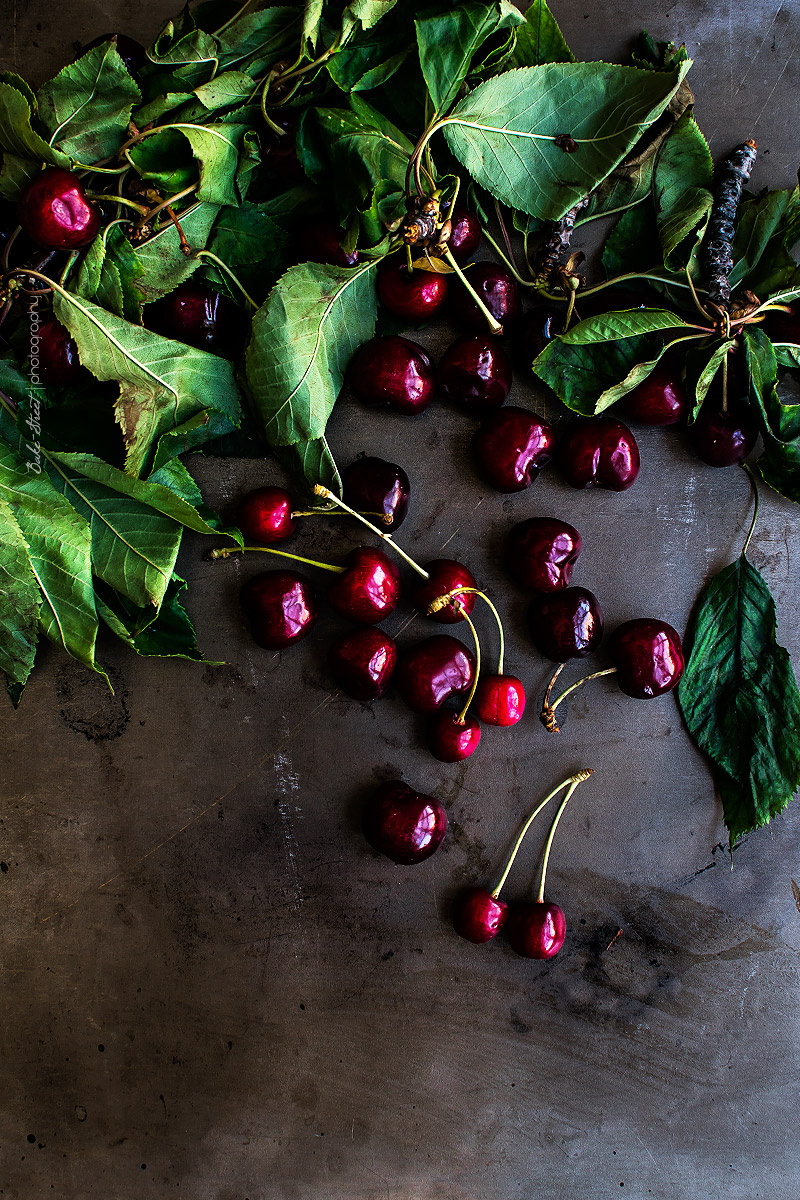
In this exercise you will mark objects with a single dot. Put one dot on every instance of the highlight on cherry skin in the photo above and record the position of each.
(362, 662)
(413, 295)
(266, 516)
(599, 452)
(281, 608)
(55, 212)
(392, 372)
(566, 624)
(405, 825)
(379, 489)
(510, 447)
(541, 553)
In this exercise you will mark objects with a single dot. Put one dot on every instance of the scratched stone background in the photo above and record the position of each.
(213, 988)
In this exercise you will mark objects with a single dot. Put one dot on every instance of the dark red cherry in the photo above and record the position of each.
(197, 316)
(466, 233)
(415, 296)
(281, 150)
(379, 489)
(405, 825)
(281, 607)
(478, 915)
(498, 290)
(392, 372)
(541, 553)
(510, 448)
(432, 671)
(724, 439)
(445, 576)
(54, 354)
(599, 452)
(500, 699)
(362, 662)
(537, 327)
(265, 516)
(567, 624)
(450, 740)
(370, 587)
(54, 212)
(475, 372)
(322, 243)
(132, 53)
(783, 326)
(659, 400)
(536, 929)
(648, 656)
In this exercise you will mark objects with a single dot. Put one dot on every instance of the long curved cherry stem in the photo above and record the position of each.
(227, 551)
(725, 385)
(549, 842)
(442, 601)
(462, 716)
(548, 714)
(499, 213)
(319, 490)
(754, 485)
(501, 254)
(493, 323)
(224, 267)
(142, 209)
(572, 782)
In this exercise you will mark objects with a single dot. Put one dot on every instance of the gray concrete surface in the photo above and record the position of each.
(213, 988)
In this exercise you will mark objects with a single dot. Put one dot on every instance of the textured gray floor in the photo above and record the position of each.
(213, 988)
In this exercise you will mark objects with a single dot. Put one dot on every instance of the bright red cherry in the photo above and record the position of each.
(475, 372)
(369, 588)
(498, 290)
(445, 576)
(132, 53)
(659, 400)
(500, 699)
(599, 452)
(536, 929)
(415, 296)
(724, 439)
(197, 316)
(265, 516)
(322, 243)
(537, 327)
(405, 825)
(54, 212)
(566, 624)
(392, 372)
(362, 662)
(379, 489)
(466, 233)
(479, 916)
(648, 656)
(54, 354)
(281, 607)
(510, 448)
(541, 553)
(450, 740)
(432, 671)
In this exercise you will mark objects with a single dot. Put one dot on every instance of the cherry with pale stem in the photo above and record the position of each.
(327, 494)
(548, 714)
(227, 551)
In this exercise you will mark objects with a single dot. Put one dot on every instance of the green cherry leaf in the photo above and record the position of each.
(702, 366)
(312, 462)
(254, 41)
(608, 327)
(682, 184)
(86, 108)
(779, 465)
(24, 151)
(163, 263)
(20, 604)
(540, 40)
(580, 374)
(166, 632)
(447, 42)
(767, 228)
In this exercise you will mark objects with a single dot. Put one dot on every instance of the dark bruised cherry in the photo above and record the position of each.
(322, 243)
(378, 488)
(281, 607)
(413, 295)
(498, 290)
(510, 448)
(475, 372)
(541, 553)
(54, 358)
(445, 576)
(722, 439)
(197, 316)
(500, 699)
(54, 212)
(405, 825)
(132, 53)
(659, 400)
(648, 656)
(599, 452)
(265, 516)
(451, 740)
(362, 662)
(466, 233)
(566, 624)
(369, 588)
(536, 929)
(537, 327)
(433, 670)
(479, 916)
(392, 372)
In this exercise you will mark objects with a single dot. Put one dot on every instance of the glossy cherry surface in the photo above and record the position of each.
(405, 825)
(369, 588)
(265, 516)
(362, 662)
(500, 699)
(415, 296)
(599, 452)
(659, 400)
(648, 656)
(433, 670)
(132, 53)
(322, 243)
(536, 929)
(379, 489)
(537, 327)
(451, 741)
(197, 316)
(724, 439)
(281, 607)
(478, 916)
(511, 447)
(392, 372)
(475, 372)
(466, 233)
(541, 553)
(54, 212)
(54, 354)
(498, 290)
(566, 624)
(445, 576)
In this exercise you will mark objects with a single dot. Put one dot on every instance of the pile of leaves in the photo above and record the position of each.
(238, 133)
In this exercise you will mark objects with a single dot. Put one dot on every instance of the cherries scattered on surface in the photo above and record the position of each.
(378, 488)
(475, 372)
(54, 357)
(451, 740)
(198, 316)
(466, 233)
(541, 553)
(265, 516)
(510, 448)
(659, 400)
(369, 588)
(648, 656)
(446, 575)
(724, 439)
(536, 929)
(54, 212)
(362, 662)
(413, 295)
(432, 671)
(281, 607)
(498, 290)
(599, 452)
(405, 825)
(566, 624)
(479, 916)
(500, 699)
(392, 372)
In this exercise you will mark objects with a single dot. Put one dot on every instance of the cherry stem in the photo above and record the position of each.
(548, 714)
(754, 485)
(442, 601)
(224, 267)
(572, 783)
(319, 490)
(522, 282)
(153, 212)
(725, 384)
(498, 210)
(142, 209)
(462, 716)
(494, 324)
(6, 249)
(227, 551)
(551, 835)
(696, 298)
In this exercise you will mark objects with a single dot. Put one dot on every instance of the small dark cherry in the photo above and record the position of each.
(466, 233)
(374, 486)
(566, 624)
(536, 929)
(475, 372)
(415, 296)
(599, 452)
(322, 243)
(432, 671)
(510, 448)
(536, 328)
(265, 516)
(362, 662)
(451, 740)
(783, 326)
(500, 699)
(541, 553)
(198, 316)
(54, 356)
(281, 607)
(648, 656)
(478, 915)
(445, 576)
(392, 372)
(132, 53)
(405, 825)
(659, 400)
(498, 290)
(54, 212)
(724, 439)
(370, 587)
